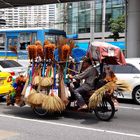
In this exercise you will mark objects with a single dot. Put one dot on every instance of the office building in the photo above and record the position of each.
(31, 16)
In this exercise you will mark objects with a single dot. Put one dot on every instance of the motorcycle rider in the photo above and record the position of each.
(89, 74)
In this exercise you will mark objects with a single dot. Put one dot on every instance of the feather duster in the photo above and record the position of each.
(46, 42)
(49, 49)
(72, 45)
(32, 51)
(13, 49)
(65, 50)
(38, 43)
(40, 51)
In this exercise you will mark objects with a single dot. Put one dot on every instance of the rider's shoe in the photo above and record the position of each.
(83, 107)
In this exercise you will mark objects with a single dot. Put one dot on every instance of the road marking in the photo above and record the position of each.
(72, 126)
(126, 107)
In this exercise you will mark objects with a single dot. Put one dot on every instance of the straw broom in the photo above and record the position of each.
(97, 96)
(123, 86)
(52, 103)
(35, 99)
(62, 86)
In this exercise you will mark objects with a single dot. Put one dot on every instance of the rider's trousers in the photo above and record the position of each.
(79, 93)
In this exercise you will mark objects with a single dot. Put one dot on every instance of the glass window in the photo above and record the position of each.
(135, 70)
(9, 64)
(123, 68)
(2, 41)
(98, 15)
(27, 39)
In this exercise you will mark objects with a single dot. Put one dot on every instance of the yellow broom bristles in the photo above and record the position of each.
(123, 86)
(97, 96)
(35, 99)
(53, 104)
(46, 81)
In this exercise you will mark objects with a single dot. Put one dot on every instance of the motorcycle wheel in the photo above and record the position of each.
(39, 111)
(105, 110)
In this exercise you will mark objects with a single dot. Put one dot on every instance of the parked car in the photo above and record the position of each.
(5, 83)
(130, 73)
(13, 67)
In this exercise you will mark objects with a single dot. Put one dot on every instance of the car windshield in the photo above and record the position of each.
(9, 64)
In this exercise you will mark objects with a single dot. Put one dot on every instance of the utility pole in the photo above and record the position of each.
(65, 17)
(92, 15)
(103, 19)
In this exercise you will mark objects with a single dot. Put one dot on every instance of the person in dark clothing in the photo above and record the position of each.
(89, 74)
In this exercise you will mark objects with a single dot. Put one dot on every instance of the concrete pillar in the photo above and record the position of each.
(133, 28)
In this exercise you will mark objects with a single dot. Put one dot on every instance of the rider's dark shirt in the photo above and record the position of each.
(89, 76)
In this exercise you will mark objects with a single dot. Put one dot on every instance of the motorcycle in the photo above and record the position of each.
(105, 110)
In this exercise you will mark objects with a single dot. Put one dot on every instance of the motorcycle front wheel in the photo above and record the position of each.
(105, 110)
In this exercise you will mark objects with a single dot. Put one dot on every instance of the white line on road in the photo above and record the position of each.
(71, 126)
(128, 107)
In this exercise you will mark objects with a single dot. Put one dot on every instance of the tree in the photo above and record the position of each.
(117, 26)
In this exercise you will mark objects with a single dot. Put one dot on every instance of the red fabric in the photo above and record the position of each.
(108, 53)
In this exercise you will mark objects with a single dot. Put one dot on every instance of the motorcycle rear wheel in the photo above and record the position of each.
(105, 110)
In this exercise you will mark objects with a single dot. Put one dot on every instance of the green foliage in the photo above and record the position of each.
(117, 26)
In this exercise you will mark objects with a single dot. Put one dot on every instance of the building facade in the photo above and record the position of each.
(90, 19)
(31, 16)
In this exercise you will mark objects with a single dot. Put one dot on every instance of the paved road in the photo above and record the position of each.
(22, 124)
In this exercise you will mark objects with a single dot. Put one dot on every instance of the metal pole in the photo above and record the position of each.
(92, 17)
(103, 19)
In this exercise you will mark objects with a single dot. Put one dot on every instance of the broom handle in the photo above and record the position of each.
(73, 70)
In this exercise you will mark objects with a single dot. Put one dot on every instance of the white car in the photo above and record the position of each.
(130, 73)
(12, 67)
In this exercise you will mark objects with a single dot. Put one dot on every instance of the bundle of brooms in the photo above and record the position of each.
(52, 103)
(109, 88)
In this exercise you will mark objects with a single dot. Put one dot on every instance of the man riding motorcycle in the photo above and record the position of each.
(89, 74)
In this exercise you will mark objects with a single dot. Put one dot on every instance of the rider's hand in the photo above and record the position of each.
(70, 76)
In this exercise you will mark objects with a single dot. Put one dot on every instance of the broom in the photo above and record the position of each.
(123, 86)
(35, 98)
(97, 96)
(52, 103)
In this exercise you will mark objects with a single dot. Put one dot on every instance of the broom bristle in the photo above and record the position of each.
(46, 42)
(13, 49)
(35, 99)
(97, 96)
(53, 104)
(65, 52)
(123, 85)
(32, 51)
(38, 43)
(49, 49)
(40, 51)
